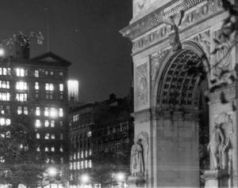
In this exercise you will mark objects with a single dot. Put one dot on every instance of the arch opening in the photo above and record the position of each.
(183, 88)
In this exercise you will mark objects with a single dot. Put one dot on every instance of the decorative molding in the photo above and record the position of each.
(203, 10)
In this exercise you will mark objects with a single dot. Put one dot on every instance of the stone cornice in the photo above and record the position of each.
(156, 18)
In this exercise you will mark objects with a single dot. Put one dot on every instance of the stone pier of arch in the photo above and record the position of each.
(166, 99)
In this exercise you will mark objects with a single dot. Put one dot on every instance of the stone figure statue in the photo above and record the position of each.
(137, 160)
(216, 146)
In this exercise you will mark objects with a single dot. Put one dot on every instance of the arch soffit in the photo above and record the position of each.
(170, 57)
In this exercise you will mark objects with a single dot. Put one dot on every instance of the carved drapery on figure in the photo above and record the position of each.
(139, 156)
(220, 144)
(137, 165)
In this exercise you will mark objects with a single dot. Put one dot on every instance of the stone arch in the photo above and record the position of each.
(173, 70)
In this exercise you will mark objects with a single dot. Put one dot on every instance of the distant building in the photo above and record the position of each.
(101, 136)
(38, 88)
(81, 123)
(73, 91)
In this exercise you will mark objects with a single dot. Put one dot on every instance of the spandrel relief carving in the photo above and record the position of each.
(141, 90)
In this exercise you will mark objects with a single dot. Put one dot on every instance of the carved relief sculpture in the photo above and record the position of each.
(141, 82)
(220, 144)
(215, 146)
(221, 68)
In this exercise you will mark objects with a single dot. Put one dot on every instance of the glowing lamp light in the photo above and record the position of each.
(84, 178)
(120, 177)
(2, 52)
(52, 171)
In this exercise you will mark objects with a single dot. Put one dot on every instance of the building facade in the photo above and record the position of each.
(37, 88)
(101, 136)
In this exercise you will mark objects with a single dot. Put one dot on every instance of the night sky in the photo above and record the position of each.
(85, 32)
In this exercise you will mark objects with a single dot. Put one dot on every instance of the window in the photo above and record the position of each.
(21, 97)
(5, 71)
(61, 73)
(61, 87)
(21, 85)
(49, 87)
(37, 111)
(46, 111)
(47, 123)
(20, 72)
(37, 135)
(61, 112)
(52, 123)
(4, 84)
(38, 149)
(25, 110)
(47, 136)
(22, 110)
(52, 149)
(61, 136)
(52, 136)
(5, 121)
(61, 149)
(90, 164)
(51, 73)
(46, 149)
(38, 123)
(37, 87)
(53, 113)
(36, 73)
(4, 96)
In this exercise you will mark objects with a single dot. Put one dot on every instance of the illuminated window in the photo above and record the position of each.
(46, 149)
(47, 123)
(61, 87)
(90, 164)
(25, 110)
(61, 149)
(4, 84)
(46, 111)
(21, 97)
(38, 135)
(37, 87)
(51, 73)
(37, 111)
(52, 136)
(5, 71)
(47, 136)
(90, 152)
(61, 73)
(19, 110)
(49, 87)
(38, 149)
(52, 149)
(53, 113)
(38, 123)
(8, 121)
(37, 73)
(61, 112)
(21, 85)
(52, 123)
(89, 134)
(20, 72)
(4, 96)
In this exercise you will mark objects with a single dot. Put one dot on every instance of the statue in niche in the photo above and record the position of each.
(220, 144)
(137, 165)
(216, 146)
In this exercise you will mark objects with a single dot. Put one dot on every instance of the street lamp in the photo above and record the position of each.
(52, 171)
(84, 178)
(120, 178)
